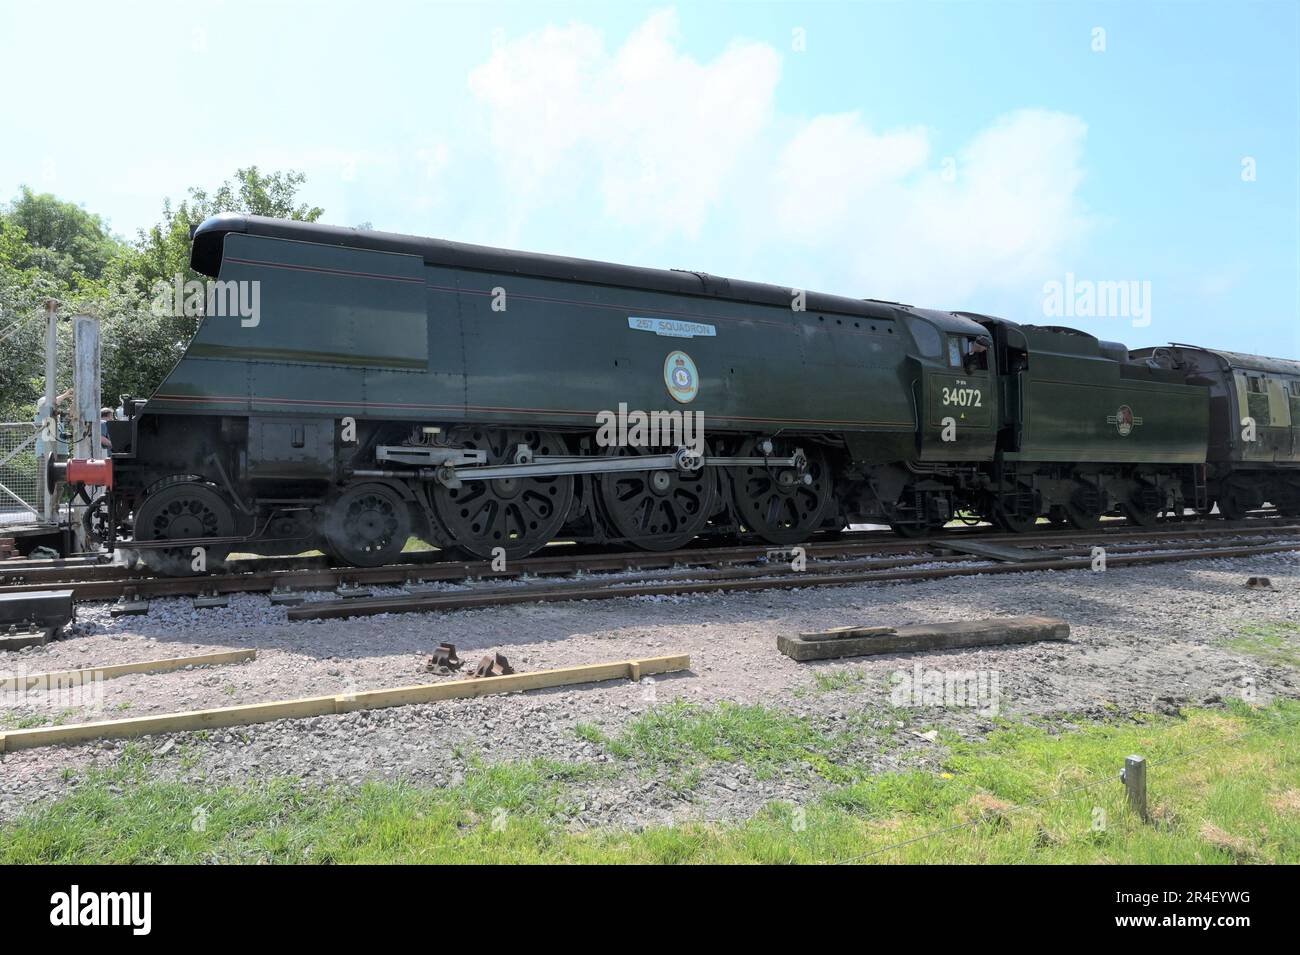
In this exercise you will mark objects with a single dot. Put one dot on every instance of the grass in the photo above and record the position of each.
(13, 721)
(840, 678)
(1224, 787)
(679, 736)
(1276, 642)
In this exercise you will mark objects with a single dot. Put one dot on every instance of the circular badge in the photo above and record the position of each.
(1124, 420)
(681, 376)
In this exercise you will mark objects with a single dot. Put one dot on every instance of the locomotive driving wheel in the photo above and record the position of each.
(186, 510)
(658, 510)
(367, 525)
(518, 514)
(778, 504)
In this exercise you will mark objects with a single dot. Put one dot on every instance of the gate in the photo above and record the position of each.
(21, 488)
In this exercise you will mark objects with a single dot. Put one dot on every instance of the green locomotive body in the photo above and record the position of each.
(493, 401)
(1088, 429)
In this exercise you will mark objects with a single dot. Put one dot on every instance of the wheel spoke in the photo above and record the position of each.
(367, 525)
(185, 510)
(518, 514)
(656, 510)
(777, 504)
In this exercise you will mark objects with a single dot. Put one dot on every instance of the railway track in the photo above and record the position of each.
(742, 566)
(749, 579)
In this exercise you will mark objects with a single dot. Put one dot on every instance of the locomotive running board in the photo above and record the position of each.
(556, 465)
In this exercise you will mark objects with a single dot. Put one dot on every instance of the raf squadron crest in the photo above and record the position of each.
(681, 376)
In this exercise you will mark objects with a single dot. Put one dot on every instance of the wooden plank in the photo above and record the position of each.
(866, 641)
(65, 678)
(343, 703)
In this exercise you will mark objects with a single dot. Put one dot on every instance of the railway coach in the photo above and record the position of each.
(1253, 454)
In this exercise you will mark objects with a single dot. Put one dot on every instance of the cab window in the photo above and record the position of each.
(968, 353)
(928, 340)
(956, 351)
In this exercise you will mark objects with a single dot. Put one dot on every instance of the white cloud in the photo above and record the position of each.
(674, 148)
(882, 207)
(657, 132)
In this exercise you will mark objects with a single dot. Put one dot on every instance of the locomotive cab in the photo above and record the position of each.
(954, 366)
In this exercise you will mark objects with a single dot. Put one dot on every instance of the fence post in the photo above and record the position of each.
(1134, 776)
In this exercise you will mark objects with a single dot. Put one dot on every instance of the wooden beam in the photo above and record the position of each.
(342, 703)
(919, 637)
(57, 679)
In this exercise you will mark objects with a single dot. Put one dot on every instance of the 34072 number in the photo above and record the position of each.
(963, 397)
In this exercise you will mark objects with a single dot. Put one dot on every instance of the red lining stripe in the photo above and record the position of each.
(492, 409)
(558, 301)
(321, 269)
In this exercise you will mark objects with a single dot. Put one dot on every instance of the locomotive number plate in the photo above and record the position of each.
(966, 400)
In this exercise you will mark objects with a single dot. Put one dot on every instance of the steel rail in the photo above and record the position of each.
(260, 575)
(730, 582)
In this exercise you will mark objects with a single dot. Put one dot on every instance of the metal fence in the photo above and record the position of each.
(21, 489)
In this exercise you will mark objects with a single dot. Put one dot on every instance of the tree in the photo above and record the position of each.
(55, 249)
(163, 252)
(62, 240)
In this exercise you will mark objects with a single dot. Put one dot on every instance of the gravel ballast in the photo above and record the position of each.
(1143, 639)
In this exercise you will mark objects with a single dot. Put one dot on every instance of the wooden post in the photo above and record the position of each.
(1135, 781)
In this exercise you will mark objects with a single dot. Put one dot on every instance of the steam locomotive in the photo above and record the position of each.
(492, 401)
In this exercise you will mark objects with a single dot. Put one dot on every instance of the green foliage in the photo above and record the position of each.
(58, 238)
(163, 251)
(51, 249)
(1224, 787)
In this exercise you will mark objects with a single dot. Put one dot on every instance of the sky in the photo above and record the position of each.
(1131, 169)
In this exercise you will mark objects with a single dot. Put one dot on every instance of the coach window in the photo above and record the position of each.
(1255, 385)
